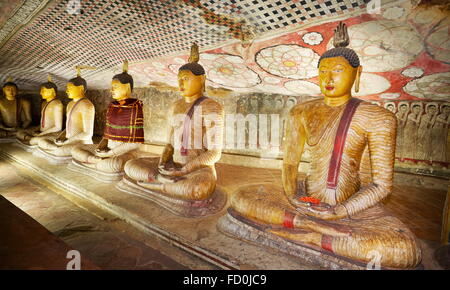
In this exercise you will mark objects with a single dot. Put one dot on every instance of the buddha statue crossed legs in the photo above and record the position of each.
(79, 123)
(335, 210)
(51, 117)
(185, 173)
(124, 131)
(15, 113)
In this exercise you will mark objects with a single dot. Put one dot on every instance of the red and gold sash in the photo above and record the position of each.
(187, 126)
(339, 143)
(125, 121)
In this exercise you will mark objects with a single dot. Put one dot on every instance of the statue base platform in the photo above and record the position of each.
(25, 146)
(53, 159)
(184, 208)
(98, 175)
(7, 140)
(234, 225)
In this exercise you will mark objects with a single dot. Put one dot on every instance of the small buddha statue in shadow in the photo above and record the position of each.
(15, 112)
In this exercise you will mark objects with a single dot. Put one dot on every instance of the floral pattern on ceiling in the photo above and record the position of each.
(404, 56)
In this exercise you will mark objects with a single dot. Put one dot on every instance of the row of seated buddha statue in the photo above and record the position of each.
(336, 211)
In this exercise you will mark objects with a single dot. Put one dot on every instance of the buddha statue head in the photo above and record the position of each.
(10, 90)
(48, 90)
(76, 87)
(416, 108)
(122, 84)
(445, 109)
(192, 77)
(431, 108)
(403, 107)
(390, 107)
(339, 67)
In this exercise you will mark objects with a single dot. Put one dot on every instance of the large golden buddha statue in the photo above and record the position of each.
(337, 209)
(184, 178)
(79, 124)
(124, 131)
(51, 116)
(15, 113)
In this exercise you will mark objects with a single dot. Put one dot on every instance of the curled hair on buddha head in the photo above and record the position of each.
(49, 84)
(9, 82)
(193, 66)
(340, 41)
(78, 80)
(124, 77)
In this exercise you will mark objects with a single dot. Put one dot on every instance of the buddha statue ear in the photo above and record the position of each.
(204, 83)
(358, 78)
(128, 89)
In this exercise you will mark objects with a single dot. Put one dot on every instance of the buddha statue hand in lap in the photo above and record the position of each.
(79, 121)
(15, 112)
(51, 116)
(186, 169)
(124, 130)
(337, 208)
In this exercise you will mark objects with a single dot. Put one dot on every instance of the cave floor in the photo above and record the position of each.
(94, 237)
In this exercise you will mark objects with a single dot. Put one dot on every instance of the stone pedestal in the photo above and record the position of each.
(185, 208)
(57, 160)
(98, 175)
(25, 146)
(234, 225)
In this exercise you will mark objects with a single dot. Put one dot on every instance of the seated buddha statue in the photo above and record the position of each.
(124, 131)
(79, 122)
(186, 170)
(51, 116)
(335, 210)
(15, 113)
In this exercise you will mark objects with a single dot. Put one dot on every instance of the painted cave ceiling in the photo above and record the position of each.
(268, 46)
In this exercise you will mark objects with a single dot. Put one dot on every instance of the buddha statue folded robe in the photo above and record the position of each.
(15, 115)
(79, 129)
(184, 179)
(50, 125)
(195, 161)
(124, 131)
(335, 209)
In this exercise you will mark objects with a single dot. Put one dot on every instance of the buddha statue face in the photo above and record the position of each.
(431, 110)
(336, 76)
(47, 94)
(403, 108)
(290, 103)
(120, 91)
(74, 92)
(446, 110)
(189, 84)
(10, 92)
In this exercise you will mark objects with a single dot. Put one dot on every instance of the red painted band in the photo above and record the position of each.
(288, 221)
(327, 243)
(187, 126)
(339, 142)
